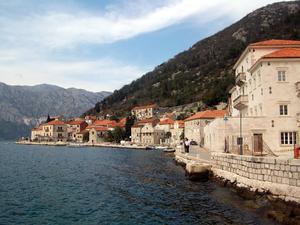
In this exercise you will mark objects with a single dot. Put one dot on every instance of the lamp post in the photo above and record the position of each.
(225, 141)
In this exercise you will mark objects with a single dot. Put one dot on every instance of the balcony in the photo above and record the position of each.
(240, 102)
(240, 79)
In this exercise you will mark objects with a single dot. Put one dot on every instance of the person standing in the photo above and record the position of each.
(186, 145)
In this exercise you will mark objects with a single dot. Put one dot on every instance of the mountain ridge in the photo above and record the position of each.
(204, 71)
(22, 107)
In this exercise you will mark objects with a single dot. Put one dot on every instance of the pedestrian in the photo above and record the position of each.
(186, 145)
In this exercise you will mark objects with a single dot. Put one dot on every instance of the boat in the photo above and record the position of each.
(150, 147)
(78, 145)
(169, 150)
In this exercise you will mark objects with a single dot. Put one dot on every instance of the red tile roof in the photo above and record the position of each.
(122, 122)
(101, 128)
(208, 114)
(284, 53)
(166, 122)
(274, 42)
(76, 122)
(181, 123)
(55, 122)
(141, 123)
(110, 123)
(145, 106)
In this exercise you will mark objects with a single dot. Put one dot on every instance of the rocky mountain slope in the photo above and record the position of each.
(22, 107)
(204, 72)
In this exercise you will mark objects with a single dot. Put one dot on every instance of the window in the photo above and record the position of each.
(262, 91)
(260, 109)
(288, 138)
(283, 110)
(281, 76)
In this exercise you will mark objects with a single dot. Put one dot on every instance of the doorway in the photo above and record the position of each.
(258, 143)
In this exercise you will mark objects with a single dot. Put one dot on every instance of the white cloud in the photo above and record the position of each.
(56, 30)
(97, 75)
(29, 41)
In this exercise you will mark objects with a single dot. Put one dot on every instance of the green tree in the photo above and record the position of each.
(129, 123)
(118, 134)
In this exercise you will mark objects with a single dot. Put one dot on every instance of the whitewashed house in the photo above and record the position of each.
(264, 105)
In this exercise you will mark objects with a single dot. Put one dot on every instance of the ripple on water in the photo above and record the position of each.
(44, 185)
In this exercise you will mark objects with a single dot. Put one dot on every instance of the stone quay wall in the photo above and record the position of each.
(263, 174)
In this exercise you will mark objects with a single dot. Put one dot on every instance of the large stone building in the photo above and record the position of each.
(55, 130)
(144, 112)
(144, 132)
(265, 102)
(194, 125)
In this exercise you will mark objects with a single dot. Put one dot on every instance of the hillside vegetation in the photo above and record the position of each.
(204, 72)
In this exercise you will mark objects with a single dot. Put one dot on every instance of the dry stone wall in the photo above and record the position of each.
(279, 177)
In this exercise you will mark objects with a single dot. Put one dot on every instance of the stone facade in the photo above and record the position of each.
(194, 125)
(144, 112)
(177, 132)
(279, 176)
(267, 90)
(55, 130)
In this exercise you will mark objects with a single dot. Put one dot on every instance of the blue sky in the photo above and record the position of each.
(100, 44)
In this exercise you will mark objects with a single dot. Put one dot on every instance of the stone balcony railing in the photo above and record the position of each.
(240, 79)
(240, 102)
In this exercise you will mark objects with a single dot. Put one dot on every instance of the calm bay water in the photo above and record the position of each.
(61, 185)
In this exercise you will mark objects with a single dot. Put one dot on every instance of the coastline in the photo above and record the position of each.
(284, 198)
(81, 145)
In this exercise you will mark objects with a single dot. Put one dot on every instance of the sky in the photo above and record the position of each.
(101, 45)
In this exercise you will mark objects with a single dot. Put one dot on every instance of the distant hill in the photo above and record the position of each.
(204, 72)
(22, 107)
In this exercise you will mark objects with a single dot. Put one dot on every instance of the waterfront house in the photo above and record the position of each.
(177, 132)
(98, 134)
(165, 124)
(55, 130)
(37, 133)
(151, 136)
(82, 136)
(143, 132)
(75, 127)
(144, 112)
(265, 102)
(194, 125)
(98, 131)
